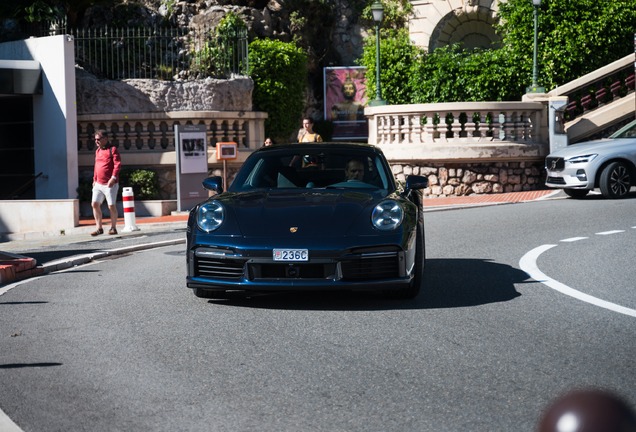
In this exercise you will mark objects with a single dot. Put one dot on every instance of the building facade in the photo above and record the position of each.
(437, 23)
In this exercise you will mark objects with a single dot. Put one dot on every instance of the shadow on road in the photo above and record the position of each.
(55, 254)
(599, 197)
(27, 365)
(448, 283)
(23, 303)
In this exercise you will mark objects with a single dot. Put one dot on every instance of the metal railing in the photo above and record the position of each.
(158, 52)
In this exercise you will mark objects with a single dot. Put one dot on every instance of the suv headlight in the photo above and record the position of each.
(581, 159)
(210, 216)
(387, 215)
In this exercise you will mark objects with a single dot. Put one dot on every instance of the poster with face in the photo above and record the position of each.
(345, 99)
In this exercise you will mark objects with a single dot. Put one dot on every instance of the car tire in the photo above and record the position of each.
(415, 286)
(615, 181)
(576, 193)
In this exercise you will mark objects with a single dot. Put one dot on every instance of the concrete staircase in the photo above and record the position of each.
(600, 101)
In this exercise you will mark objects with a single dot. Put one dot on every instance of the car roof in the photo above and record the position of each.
(321, 145)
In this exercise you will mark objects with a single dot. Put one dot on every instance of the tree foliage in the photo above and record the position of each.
(279, 71)
(397, 62)
(396, 13)
(44, 10)
(575, 37)
(479, 75)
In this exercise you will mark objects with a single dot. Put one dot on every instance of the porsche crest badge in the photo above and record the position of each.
(293, 229)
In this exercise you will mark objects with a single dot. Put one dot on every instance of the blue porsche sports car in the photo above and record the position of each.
(314, 216)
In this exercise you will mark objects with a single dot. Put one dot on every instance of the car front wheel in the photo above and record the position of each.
(615, 180)
(576, 193)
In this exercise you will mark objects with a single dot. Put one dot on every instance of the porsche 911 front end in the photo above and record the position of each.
(307, 229)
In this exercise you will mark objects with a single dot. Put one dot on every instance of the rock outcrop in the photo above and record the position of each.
(96, 96)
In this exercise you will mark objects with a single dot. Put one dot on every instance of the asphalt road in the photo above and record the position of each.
(122, 345)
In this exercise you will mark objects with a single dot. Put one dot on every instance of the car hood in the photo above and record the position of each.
(602, 147)
(276, 213)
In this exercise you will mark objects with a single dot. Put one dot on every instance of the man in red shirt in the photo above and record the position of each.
(105, 181)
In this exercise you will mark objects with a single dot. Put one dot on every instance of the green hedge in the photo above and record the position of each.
(575, 37)
(279, 71)
(145, 185)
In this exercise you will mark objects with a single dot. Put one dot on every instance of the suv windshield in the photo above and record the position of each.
(314, 168)
(628, 131)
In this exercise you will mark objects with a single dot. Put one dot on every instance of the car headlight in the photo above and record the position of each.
(210, 216)
(581, 159)
(387, 215)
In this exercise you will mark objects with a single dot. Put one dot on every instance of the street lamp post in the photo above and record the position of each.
(378, 11)
(534, 88)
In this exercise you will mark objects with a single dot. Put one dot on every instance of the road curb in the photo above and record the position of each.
(10, 275)
(154, 226)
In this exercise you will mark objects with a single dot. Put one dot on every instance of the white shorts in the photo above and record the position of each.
(103, 191)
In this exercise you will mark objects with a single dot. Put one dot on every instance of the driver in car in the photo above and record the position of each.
(354, 170)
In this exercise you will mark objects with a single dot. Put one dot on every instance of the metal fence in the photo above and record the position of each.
(159, 52)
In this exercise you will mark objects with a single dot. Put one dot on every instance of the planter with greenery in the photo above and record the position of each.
(145, 185)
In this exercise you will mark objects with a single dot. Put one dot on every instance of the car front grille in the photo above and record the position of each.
(258, 271)
(556, 180)
(371, 267)
(554, 164)
(217, 268)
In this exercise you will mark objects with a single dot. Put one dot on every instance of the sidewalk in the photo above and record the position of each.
(15, 267)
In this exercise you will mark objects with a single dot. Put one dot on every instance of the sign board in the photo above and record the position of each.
(345, 99)
(192, 164)
(226, 150)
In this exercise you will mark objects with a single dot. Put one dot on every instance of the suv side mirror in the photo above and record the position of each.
(213, 184)
(415, 182)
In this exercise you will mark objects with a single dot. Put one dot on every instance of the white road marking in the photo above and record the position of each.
(528, 263)
(573, 239)
(610, 232)
(7, 425)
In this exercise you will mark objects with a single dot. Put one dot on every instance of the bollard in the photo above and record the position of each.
(129, 210)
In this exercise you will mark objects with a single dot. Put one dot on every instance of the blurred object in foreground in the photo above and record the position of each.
(588, 411)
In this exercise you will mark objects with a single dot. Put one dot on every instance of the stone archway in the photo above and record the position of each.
(437, 23)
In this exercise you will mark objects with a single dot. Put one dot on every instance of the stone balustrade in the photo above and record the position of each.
(465, 147)
(460, 131)
(146, 139)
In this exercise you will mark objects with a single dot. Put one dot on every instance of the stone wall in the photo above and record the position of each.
(459, 179)
(98, 96)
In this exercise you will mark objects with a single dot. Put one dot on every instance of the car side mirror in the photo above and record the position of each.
(213, 184)
(415, 182)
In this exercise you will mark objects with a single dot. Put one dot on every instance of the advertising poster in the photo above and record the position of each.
(345, 99)
(194, 157)
(192, 165)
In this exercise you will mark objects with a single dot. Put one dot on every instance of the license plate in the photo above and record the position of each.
(291, 255)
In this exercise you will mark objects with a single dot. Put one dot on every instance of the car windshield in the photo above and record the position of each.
(628, 131)
(314, 168)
